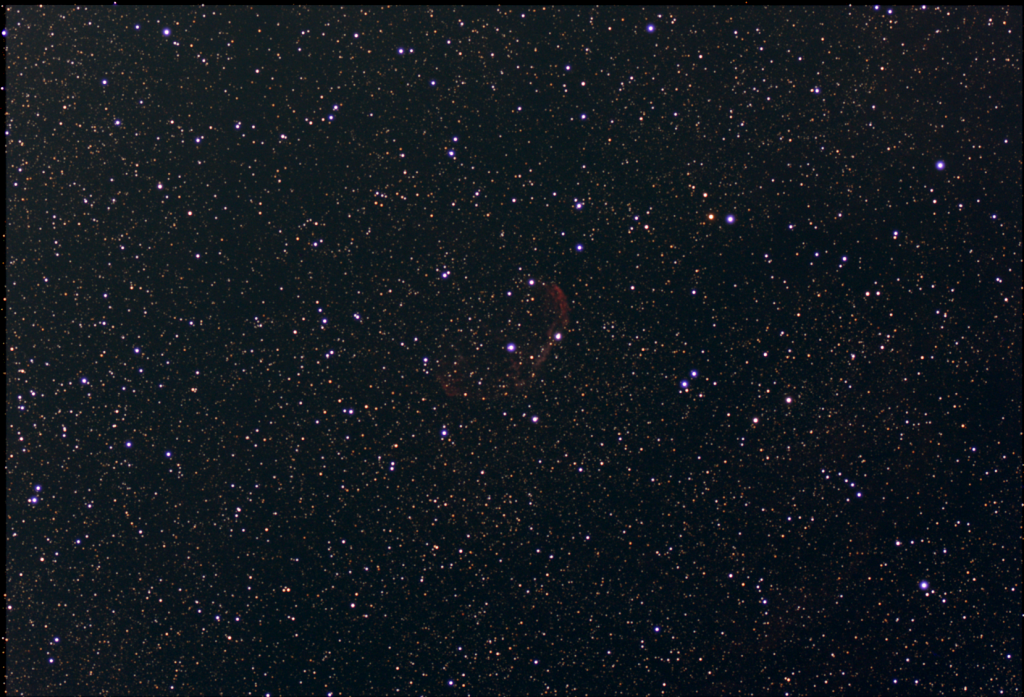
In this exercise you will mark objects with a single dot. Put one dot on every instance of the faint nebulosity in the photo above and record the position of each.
(513, 350)
(498, 344)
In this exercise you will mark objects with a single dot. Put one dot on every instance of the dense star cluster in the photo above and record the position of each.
(519, 351)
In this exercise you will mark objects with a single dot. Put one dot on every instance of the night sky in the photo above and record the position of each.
(475, 351)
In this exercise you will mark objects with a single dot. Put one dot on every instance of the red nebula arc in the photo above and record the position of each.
(499, 349)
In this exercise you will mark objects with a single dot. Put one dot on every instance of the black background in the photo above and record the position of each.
(237, 234)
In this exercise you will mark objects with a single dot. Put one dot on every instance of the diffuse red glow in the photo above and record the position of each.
(509, 349)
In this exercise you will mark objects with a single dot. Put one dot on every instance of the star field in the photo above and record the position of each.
(493, 350)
